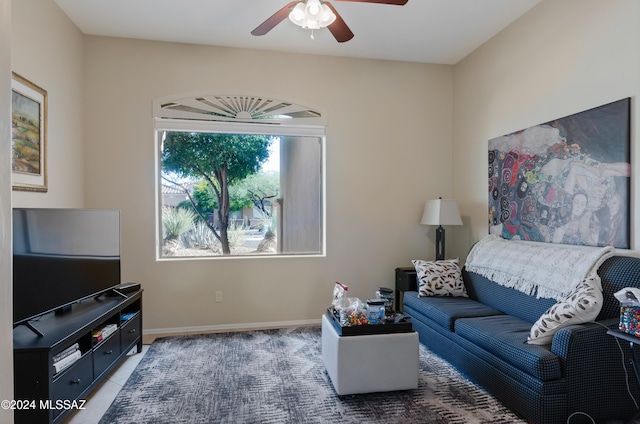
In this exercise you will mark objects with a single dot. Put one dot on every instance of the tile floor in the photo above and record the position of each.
(101, 397)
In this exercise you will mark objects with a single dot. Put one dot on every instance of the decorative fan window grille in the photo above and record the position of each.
(238, 108)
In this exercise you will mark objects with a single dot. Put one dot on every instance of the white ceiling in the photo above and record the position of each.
(429, 31)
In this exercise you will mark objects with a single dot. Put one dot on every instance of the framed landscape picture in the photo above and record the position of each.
(566, 181)
(28, 135)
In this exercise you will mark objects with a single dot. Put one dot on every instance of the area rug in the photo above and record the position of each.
(277, 376)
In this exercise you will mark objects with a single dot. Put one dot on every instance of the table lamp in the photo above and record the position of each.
(440, 212)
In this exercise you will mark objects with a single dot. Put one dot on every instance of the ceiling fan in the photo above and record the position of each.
(316, 14)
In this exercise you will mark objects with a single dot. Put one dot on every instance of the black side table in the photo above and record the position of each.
(405, 281)
(633, 341)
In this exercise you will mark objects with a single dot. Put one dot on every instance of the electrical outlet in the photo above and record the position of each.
(218, 296)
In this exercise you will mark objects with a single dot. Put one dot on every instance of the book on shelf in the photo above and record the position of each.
(68, 351)
(127, 316)
(109, 330)
(66, 361)
(104, 332)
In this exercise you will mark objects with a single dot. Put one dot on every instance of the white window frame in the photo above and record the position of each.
(225, 127)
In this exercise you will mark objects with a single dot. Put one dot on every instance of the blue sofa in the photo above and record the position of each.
(580, 376)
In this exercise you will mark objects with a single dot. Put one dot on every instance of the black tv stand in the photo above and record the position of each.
(43, 378)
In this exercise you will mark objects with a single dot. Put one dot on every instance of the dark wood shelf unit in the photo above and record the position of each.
(34, 376)
(405, 281)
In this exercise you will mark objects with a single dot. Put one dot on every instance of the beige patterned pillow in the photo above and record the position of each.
(440, 278)
(583, 304)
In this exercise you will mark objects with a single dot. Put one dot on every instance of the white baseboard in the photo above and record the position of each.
(157, 332)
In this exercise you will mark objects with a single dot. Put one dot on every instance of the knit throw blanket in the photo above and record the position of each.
(537, 269)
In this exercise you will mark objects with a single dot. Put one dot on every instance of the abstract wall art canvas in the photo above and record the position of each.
(566, 181)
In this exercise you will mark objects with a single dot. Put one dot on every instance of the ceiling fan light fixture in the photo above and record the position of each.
(314, 7)
(328, 17)
(312, 15)
(298, 14)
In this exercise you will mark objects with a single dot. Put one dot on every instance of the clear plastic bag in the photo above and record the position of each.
(339, 292)
(351, 311)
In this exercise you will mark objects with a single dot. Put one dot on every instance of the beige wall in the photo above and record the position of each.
(6, 335)
(46, 49)
(388, 150)
(561, 58)
(113, 140)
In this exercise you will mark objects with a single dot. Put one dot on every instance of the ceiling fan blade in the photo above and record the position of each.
(339, 28)
(274, 20)
(396, 2)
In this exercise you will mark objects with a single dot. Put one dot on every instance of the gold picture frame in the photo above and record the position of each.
(28, 135)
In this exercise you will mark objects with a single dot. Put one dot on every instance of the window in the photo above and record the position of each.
(234, 189)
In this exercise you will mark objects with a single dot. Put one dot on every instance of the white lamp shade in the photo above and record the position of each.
(441, 212)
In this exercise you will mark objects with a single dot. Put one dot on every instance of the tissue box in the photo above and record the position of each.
(630, 319)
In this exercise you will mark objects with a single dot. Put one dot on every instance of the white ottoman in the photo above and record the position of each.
(371, 363)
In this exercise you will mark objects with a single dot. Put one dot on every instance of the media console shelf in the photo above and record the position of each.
(46, 388)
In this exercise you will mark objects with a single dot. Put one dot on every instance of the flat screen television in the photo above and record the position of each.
(62, 256)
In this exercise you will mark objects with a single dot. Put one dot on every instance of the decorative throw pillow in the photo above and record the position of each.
(583, 304)
(440, 278)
